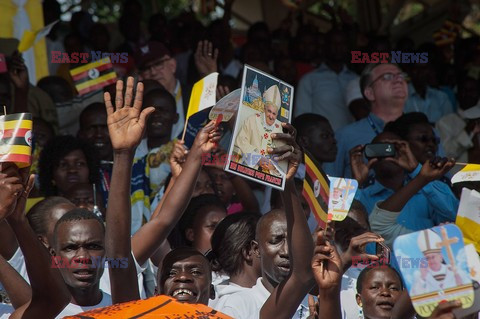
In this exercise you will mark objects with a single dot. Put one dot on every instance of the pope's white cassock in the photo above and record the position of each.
(254, 137)
(443, 278)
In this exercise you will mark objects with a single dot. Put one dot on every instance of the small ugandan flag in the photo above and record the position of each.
(93, 76)
(16, 138)
(316, 189)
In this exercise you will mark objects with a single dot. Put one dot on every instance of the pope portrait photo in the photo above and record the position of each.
(254, 135)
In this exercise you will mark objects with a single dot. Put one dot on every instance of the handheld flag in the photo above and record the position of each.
(16, 138)
(468, 217)
(203, 94)
(342, 193)
(316, 189)
(93, 76)
(29, 38)
(469, 173)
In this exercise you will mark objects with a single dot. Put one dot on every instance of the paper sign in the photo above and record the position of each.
(470, 173)
(444, 273)
(259, 116)
(227, 106)
(468, 217)
(29, 38)
(342, 193)
(16, 138)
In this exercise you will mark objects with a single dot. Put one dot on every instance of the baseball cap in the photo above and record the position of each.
(153, 50)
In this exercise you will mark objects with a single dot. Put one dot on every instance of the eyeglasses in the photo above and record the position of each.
(425, 139)
(402, 76)
(159, 65)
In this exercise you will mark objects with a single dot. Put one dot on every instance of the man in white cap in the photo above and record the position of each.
(254, 138)
(438, 275)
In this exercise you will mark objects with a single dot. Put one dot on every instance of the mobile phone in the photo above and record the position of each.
(383, 252)
(379, 150)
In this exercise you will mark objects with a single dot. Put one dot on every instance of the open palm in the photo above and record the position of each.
(126, 123)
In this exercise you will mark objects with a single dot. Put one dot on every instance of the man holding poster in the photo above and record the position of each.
(254, 137)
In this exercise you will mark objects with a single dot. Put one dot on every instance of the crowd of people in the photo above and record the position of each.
(112, 180)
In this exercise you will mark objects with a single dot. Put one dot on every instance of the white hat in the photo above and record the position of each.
(472, 113)
(429, 242)
(272, 96)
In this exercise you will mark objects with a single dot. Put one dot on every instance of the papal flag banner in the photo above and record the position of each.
(93, 76)
(158, 307)
(468, 217)
(203, 94)
(16, 138)
(316, 188)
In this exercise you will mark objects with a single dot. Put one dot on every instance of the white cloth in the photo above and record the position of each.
(5, 311)
(222, 292)
(247, 303)
(455, 140)
(353, 91)
(430, 284)
(18, 263)
(71, 309)
(233, 68)
(323, 91)
(350, 309)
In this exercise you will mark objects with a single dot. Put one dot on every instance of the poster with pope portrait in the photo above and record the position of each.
(265, 103)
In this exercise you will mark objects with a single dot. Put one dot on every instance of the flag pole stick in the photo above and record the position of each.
(4, 110)
(184, 130)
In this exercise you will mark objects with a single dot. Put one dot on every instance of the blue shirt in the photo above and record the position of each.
(322, 91)
(435, 105)
(432, 205)
(360, 132)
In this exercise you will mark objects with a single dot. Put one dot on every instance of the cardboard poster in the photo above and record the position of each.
(227, 106)
(444, 274)
(265, 103)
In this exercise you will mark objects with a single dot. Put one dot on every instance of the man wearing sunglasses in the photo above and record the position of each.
(384, 86)
(155, 62)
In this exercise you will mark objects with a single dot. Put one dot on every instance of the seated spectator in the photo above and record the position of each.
(235, 254)
(322, 91)
(385, 214)
(418, 132)
(64, 161)
(384, 86)
(458, 130)
(202, 215)
(431, 205)
(424, 98)
(83, 197)
(57, 88)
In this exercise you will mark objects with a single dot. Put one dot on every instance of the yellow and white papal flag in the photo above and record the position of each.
(468, 217)
(203, 94)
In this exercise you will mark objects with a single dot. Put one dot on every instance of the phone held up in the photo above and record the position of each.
(379, 150)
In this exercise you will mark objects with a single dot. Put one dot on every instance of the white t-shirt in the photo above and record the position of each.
(247, 303)
(5, 311)
(18, 263)
(71, 309)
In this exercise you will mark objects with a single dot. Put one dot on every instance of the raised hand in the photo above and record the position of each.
(206, 139)
(326, 264)
(403, 155)
(126, 123)
(18, 72)
(206, 58)
(28, 181)
(290, 152)
(356, 248)
(359, 168)
(178, 158)
(435, 168)
(11, 188)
